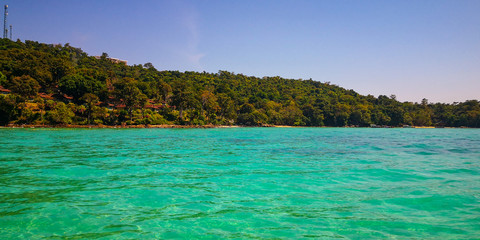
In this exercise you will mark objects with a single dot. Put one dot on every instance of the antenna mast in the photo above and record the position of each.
(5, 35)
(10, 32)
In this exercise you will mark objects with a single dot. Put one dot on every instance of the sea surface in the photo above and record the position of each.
(240, 183)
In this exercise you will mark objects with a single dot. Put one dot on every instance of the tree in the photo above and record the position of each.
(184, 98)
(209, 104)
(60, 114)
(90, 100)
(342, 113)
(422, 117)
(314, 116)
(379, 117)
(227, 107)
(292, 115)
(161, 91)
(250, 116)
(132, 97)
(59, 67)
(3, 79)
(41, 106)
(396, 114)
(25, 85)
(79, 84)
(424, 102)
(7, 108)
(149, 65)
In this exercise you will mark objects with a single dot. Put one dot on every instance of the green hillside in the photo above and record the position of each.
(55, 84)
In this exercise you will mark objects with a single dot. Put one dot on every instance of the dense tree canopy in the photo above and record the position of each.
(55, 84)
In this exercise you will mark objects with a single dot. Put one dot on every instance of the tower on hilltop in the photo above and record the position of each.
(5, 30)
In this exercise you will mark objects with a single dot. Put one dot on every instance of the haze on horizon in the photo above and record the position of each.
(412, 49)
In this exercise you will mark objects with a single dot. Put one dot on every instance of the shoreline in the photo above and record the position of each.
(115, 126)
(171, 126)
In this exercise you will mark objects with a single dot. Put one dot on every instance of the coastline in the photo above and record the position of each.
(114, 126)
(188, 126)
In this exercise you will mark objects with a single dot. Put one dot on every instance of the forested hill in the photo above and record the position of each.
(55, 84)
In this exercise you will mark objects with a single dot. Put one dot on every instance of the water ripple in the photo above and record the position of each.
(247, 183)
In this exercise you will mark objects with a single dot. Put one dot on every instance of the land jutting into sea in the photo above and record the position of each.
(61, 86)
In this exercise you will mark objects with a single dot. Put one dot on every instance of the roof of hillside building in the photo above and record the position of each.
(46, 96)
(2, 89)
(114, 60)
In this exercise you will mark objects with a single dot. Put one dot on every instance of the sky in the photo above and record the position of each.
(412, 49)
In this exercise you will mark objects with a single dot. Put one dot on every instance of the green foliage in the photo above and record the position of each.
(7, 108)
(90, 100)
(3, 79)
(89, 90)
(79, 84)
(24, 85)
(60, 114)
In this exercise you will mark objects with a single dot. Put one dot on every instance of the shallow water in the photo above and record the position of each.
(239, 183)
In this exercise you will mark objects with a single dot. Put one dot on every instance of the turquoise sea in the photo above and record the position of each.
(242, 183)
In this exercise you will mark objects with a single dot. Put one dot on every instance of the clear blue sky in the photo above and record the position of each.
(413, 49)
